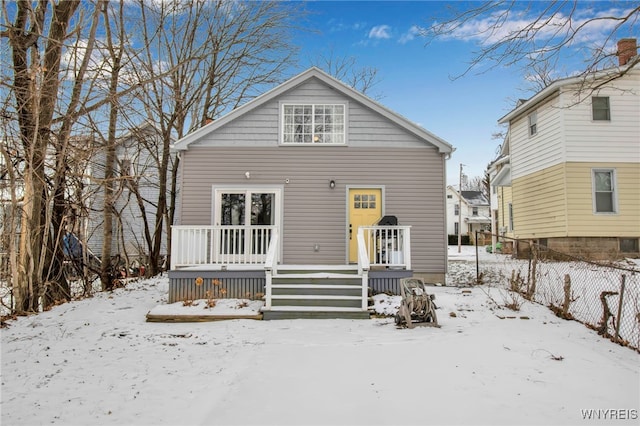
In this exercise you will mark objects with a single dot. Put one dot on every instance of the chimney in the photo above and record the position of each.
(627, 49)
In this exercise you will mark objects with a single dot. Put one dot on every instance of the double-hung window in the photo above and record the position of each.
(313, 124)
(533, 123)
(600, 108)
(604, 191)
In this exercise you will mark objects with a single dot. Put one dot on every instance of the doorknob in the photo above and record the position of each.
(350, 230)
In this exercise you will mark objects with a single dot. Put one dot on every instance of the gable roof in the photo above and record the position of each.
(471, 198)
(475, 198)
(441, 144)
(524, 105)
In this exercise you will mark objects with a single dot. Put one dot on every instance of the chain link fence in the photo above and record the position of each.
(603, 296)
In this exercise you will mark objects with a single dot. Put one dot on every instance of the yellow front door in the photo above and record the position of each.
(365, 209)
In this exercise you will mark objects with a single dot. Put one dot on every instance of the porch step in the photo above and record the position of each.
(316, 292)
(316, 301)
(316, 289)
(301, 312)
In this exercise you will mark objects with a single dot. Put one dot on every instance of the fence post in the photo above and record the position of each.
(624, 281)
(567, 295)
(477, 261)
(531, 287)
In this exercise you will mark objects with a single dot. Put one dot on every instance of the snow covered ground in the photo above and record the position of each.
(97, 362)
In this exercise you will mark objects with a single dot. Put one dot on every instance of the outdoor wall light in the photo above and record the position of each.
(332, 184)
(247, 175)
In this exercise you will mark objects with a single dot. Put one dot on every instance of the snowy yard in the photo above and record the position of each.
(97, 361)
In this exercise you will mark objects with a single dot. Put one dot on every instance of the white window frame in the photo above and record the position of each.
(614, 190)
(315, 141)
(608, 109)
(247, 190)
(532, 120)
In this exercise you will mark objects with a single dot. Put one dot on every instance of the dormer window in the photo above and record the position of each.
(533, 123)
(313, 124)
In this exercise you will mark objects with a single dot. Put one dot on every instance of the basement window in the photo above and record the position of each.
(629, 245)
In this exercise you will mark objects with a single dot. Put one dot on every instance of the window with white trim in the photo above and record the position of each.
(600, 108)
(533, 123)
(604, 191)
(313, 124)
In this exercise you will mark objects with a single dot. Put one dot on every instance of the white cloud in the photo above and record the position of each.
(501, 25)
(380, 31)
(411, 34)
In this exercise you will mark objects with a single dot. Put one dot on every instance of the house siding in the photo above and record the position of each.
(260, 127)
(616, 140)
(540, 204)
(583, 221)
(128, 223)
(504, 195)
(531, 154)
(412, 180)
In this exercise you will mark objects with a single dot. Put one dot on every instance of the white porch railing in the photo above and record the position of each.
(388, 246)
(224, 245)
(385, 246)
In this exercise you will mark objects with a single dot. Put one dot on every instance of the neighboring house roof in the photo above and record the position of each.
(475, 198)
(607, 75)
(442, 145)
(472, 198)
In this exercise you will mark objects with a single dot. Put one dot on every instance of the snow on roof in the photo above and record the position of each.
(475, 198)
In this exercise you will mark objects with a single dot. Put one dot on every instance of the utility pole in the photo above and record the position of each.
(460, 210)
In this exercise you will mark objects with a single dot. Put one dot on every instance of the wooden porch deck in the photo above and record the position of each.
(227, 262)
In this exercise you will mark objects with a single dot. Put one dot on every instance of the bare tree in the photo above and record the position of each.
(535, 34)
(216, 56)
(35, 89)
(346, 69)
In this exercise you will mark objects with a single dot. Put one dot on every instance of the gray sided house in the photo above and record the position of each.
(310, 196)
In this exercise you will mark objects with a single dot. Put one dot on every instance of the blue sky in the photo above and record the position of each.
(415, 79)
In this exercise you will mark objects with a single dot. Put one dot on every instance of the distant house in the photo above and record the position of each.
(568, 175)
(473, 212)
(136, 190)
(311, 195)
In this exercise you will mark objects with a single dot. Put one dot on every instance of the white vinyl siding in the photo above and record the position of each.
(616, 140)
(532, 154)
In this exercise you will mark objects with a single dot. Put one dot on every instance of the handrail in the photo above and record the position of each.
(271, 261)
(363, 268)
(270, 267)
(363, 257)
